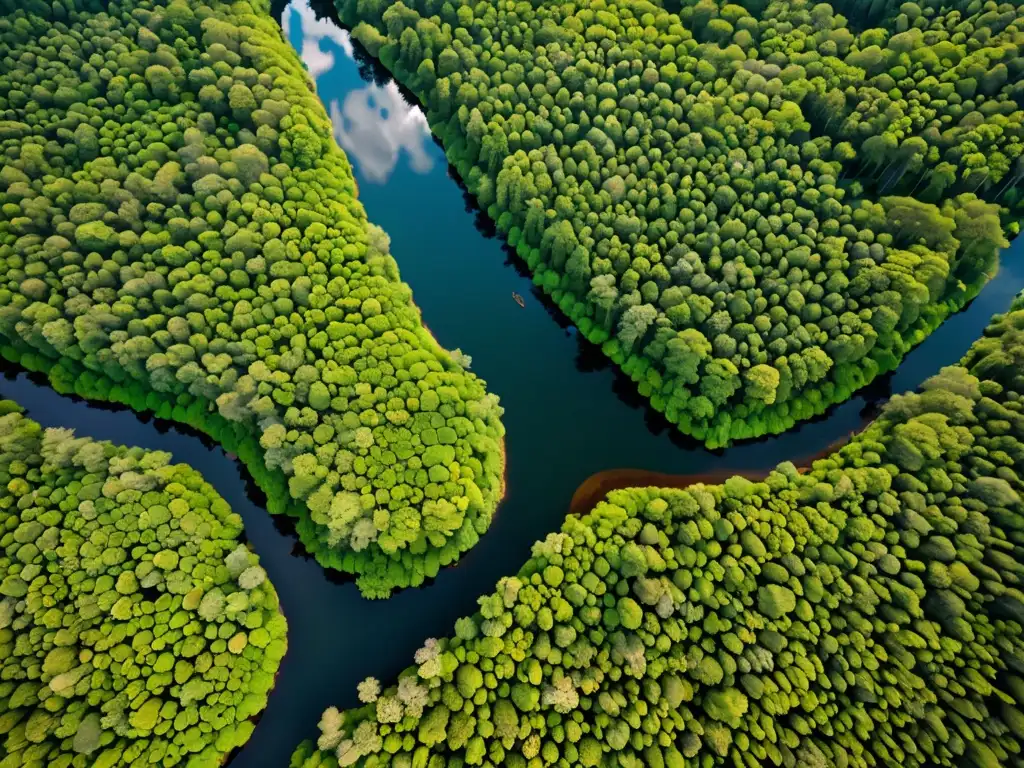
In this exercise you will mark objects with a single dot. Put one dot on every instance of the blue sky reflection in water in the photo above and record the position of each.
(375, 125)
(568, 413)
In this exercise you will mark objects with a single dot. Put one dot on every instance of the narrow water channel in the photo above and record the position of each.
(568, 413)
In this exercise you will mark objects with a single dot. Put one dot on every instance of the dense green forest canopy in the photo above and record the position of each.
(866, 613)
(180, 231)
(755, 207)
(135, 629)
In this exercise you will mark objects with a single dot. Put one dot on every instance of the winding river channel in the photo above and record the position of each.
(568, 413)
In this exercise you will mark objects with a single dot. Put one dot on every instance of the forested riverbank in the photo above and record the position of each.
(135, 627)
(195, 248)
(865, 612)
(756, 211)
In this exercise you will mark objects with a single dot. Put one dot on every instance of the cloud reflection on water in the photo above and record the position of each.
(372, 124)
(313, 30)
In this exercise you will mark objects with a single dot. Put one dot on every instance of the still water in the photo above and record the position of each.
(567, 412)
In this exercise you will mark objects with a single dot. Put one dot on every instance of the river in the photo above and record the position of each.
(568, 412)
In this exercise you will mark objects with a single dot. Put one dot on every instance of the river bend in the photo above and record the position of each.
(569, 413)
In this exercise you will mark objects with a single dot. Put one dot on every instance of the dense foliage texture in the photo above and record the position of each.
(180, 231)
(754, 209)
(867, 613)
(135, 630)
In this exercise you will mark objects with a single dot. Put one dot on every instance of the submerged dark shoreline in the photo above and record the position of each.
(600, 484)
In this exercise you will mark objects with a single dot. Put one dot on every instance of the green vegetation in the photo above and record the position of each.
(754, 209)
(135, 630)
(866, 613)
(180, 232)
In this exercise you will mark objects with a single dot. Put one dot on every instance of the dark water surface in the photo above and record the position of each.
(568, 413)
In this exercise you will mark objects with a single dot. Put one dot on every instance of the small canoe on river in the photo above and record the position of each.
(518, 299)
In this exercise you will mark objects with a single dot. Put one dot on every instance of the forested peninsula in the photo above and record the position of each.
(865, 613)
(180, 232)
(135, 629)
(755, 207)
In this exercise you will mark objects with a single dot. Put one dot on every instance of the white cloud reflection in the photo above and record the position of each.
(375, 124)
(313, 31)
(372, 124)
